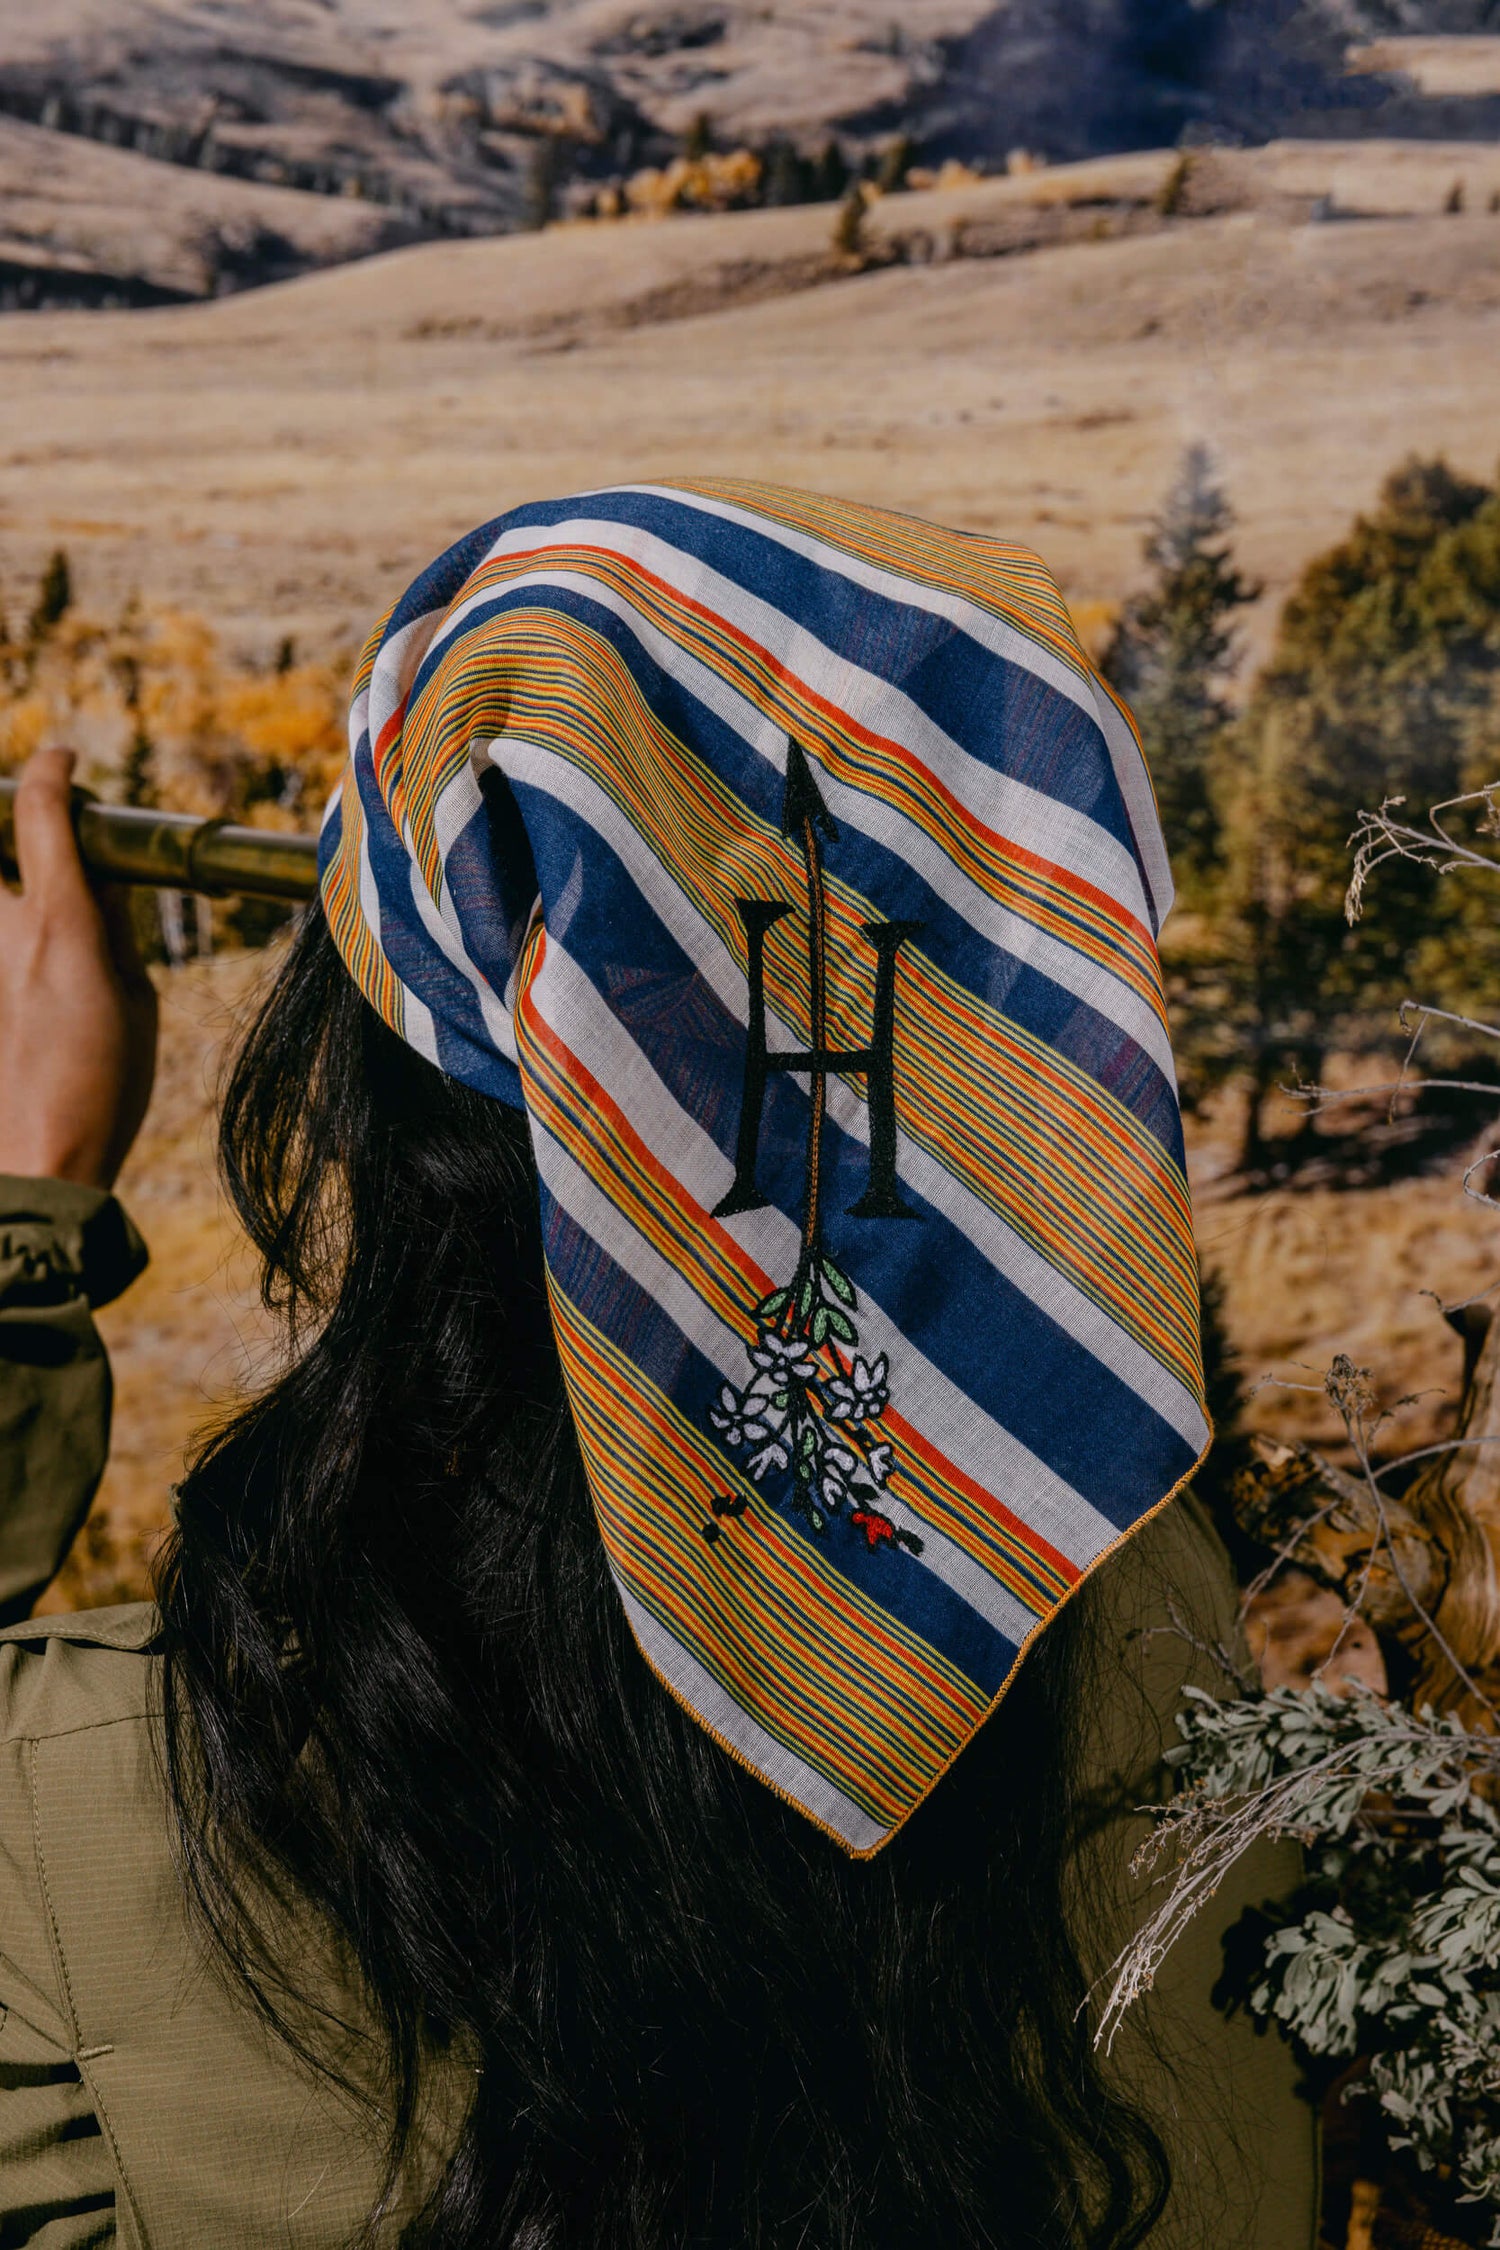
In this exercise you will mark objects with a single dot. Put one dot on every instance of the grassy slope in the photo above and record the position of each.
(283, 459)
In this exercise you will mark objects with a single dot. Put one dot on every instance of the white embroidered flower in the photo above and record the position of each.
(861, 1394)
(785, 1357)
(772, 1456)
(741, 1416)
(878, 1464)
(834, 1471)
(767, 1399)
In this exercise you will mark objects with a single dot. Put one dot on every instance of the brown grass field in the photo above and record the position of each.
(1033, 365)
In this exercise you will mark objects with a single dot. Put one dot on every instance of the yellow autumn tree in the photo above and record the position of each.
(160, 714)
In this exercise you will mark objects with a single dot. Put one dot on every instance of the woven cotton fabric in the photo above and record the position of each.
(789, 863)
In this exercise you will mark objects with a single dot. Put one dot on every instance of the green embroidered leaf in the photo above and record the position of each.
(780, 1398)
(805, 1298)
(807, 1444)
(821, 1319)
(770, 1306)
(839, 1283)
(841, 1325)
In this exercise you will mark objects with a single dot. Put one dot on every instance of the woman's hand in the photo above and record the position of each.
(77, 1010)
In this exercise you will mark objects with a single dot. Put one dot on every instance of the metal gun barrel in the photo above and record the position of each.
(174, 851)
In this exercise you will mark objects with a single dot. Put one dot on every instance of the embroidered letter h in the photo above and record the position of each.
(804, 815)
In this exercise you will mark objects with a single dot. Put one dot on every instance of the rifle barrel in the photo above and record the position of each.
(174, 851)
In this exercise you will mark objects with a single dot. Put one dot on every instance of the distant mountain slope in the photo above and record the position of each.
(429, 117)
(1076, 77)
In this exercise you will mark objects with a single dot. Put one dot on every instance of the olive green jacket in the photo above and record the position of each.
(141, 2099)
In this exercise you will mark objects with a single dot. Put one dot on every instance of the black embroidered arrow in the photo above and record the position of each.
(802, 806)
(808, 1411)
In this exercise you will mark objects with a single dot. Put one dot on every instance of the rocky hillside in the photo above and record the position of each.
(157, 149)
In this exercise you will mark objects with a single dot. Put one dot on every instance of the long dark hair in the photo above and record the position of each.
(401, 1688)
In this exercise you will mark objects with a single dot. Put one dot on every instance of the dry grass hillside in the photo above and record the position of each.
(1027, 355)
(1034, 364)
(226, 127)
(244, 139)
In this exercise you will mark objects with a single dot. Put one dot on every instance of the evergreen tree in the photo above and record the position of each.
(1173, 654)
(849, 240)
(54, 595)
(543, 171)
(831, 176)
(785, 178)
(138, 770)
(1383, 683)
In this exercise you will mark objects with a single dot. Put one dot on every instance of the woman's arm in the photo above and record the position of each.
(77, 1056)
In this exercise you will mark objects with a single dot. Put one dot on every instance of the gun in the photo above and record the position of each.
(176, 852)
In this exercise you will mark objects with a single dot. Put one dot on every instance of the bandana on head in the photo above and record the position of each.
(790, 865)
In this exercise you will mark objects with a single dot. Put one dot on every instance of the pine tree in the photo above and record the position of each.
(54, 595)
(1173, 654)
(1383, 683)
(785, 178)
(542, 178)
(138, 770)
(849, 242)
(832, 174)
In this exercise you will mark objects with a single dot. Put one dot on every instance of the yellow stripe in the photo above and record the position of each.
(1029, 1133)
(854, 1692)
(682, 1235)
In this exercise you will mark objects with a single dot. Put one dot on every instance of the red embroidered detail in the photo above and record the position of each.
(878, 1530)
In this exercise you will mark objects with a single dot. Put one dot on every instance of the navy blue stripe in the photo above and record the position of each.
(994, 977)
(636, 1324)
(986, 1335)
(464, 1047)
(999, 712)
(437, 585)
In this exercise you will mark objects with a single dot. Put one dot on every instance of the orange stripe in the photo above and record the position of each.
(758, 1282)
(850, 1621)
(1110, 909)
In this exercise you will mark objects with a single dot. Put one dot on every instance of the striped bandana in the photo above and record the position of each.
(790, 865)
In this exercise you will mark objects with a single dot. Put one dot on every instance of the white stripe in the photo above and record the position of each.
(455, 807)
(395, 667)
(1082, 1319)
(1008, 808)
(359, 720)
(812, 1792)
(991, 632)
(1089, 981)
(1133, 776)
(602, 1219)
(935, 1405)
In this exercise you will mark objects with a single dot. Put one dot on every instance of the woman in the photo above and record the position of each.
(715, 1153)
